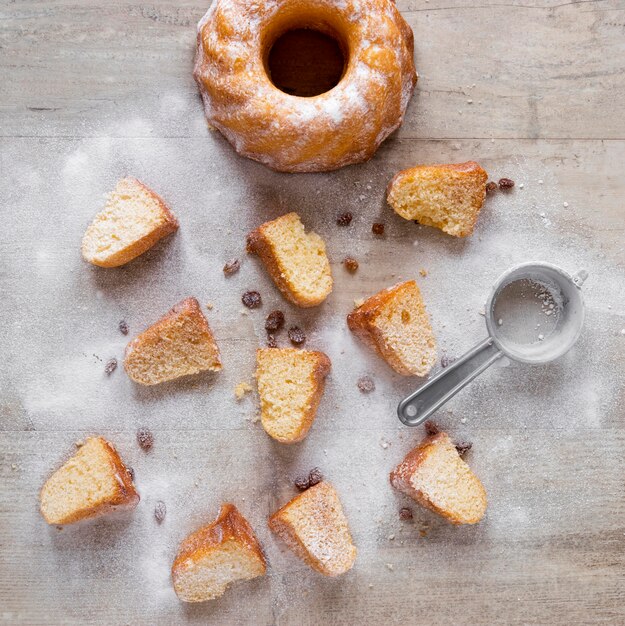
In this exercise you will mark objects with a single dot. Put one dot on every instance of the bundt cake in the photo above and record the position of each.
(93, 482)
(395, 323)
(216, 555)
(290, 386)
(301, 132)
(447, 196)
(132, 221)
(296, 260)
(436, 477)
(181, 343)
(315, 528)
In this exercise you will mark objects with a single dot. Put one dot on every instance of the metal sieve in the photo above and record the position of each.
(534, 314)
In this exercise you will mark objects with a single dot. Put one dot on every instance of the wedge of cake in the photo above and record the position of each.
(179, 344)
(395, 323)
(447, 196)
(296, 260)
(93, 482)
(436, 477)
(132, 221)
(315, 528)
(216, 555)
(290, 386)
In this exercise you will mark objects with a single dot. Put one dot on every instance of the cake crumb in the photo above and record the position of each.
(241, 389)
(209, 306)
(390, 566)
(423, 272)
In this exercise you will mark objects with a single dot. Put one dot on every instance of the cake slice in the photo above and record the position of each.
(435, 476)
(179, 344)
(132, 221)
(290, 385)
(448, 197)
(395, 323)
(215, 556)
(296, 260)
(93, 482)
(314, 527)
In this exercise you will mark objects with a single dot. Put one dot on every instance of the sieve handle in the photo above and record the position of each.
(418, 406)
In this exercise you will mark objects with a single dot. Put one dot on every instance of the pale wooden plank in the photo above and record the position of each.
(540, 70)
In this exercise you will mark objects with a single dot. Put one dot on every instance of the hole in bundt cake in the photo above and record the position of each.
(306, 62)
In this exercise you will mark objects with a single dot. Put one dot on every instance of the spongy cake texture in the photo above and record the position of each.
(434, 475)
(217, 555)
(395, 323)
(447, 196)
(296, 260)
(132, 221)
(315, 528)
(179, 344)
(290, 385)
(91, 483)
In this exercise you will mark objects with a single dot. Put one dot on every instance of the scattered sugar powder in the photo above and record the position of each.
(64, 335)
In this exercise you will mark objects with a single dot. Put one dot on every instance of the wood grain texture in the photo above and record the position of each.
(91, 93)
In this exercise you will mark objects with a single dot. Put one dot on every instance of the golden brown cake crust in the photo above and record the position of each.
(151, 337)
(125, 496)
(230, 524)
(361, 322)
(469, 189)
(127, 254)
(400, 478)
(342, 126)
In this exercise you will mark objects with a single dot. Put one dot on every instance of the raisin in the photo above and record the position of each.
(431, 428)
(232, 267)
(110, 367)
(145, 439)
(506, 183)
(271, 341)
(251, 299)
(123, 327)
(160, 510)
(351, 265)
(296, 335)
(463, 447)
(377, 229)
(405, 514)
(274, 321)
(314, 477)
(344, 219)
(491, 186)
(302, 483)
(366, 384)
(446, 361)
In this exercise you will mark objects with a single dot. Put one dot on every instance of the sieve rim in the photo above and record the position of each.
(502, 282)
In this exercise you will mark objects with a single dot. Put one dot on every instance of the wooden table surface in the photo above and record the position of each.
(535, 91)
